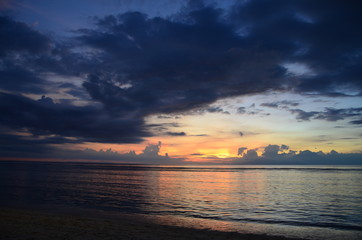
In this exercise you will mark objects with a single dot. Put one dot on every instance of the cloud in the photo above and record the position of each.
(251, 154)
(150, 155)
(282, 155)
(329, 114)
(200, 135)
(357, 122)
(135, 66)
(247, 154)
(51, 148)
(165, 117)
(5, 4)
(208, 109)
(271, 105)
(196, 154)
(241, 150)
(176, 133)
(284, 147)
(241, 110)
(216, 109)
(271, 151)
(88, 123)
(280, 104)
(18, 79)
(310, 33)
(174, 65)
(19, 37)
(251, 111)
(18, 43)
(12, 145)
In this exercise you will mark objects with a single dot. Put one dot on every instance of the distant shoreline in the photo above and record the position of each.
(188, 164)
(19, 224)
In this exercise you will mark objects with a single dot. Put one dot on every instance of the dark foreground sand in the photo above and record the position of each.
(31, 224)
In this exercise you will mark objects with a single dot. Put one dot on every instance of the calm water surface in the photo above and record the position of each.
(310, 202)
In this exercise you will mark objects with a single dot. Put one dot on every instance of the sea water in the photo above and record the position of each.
(314, 202)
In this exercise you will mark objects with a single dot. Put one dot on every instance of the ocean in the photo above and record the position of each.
(311, 202)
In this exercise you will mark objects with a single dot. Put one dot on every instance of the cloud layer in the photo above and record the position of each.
(282, 155)
(134, 66)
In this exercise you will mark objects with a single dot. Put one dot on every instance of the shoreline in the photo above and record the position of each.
(17, 223)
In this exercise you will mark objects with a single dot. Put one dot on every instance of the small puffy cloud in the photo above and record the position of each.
(271, 105)
(200, 135)
(176, 134)
(284, 147)
(251, 110)
(241, 150)
(251, 154)
(247, 154)
(271, 151)
(280, 104)
(216, 109)
(241, 110)
(302, 115)
(196, 154)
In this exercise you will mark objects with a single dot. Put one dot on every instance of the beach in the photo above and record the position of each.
(19, 224)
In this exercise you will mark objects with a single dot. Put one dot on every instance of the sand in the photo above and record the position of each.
(33, 224)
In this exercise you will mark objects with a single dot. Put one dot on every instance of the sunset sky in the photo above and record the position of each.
(167, 81)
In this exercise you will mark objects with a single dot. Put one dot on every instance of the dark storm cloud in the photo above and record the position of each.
(31, 146)
(20, 146)
(174, 65)
(324, 35)
(17, 42)
(18, 37)
(329, 114)
(43, 117)
(18, 79)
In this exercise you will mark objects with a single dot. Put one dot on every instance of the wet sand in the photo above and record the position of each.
(33, 224)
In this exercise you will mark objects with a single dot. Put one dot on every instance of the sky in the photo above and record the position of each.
(181, 82)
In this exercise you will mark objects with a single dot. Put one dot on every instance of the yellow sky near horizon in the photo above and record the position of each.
(218, 135)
